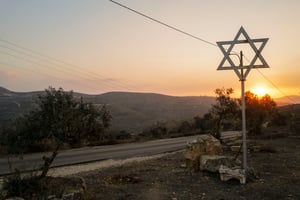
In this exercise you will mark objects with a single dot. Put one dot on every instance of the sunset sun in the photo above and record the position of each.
(260, 91)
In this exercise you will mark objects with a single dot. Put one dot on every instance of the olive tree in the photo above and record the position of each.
(258, 111)
(226, 108)
(57, 116)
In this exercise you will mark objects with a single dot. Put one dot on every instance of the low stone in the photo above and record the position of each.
(69, 195)
(227, 173)
(73, 195)
(212, 163)
(52, 197)
(203, 145)
(73, 188)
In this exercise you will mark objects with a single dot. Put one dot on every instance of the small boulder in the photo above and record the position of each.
(227, 173)
(212, 163)
(203, 145)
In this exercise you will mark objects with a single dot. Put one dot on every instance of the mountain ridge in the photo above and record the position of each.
(131, 111)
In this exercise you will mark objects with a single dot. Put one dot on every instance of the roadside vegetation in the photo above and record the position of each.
(58, 121)
(225, 115)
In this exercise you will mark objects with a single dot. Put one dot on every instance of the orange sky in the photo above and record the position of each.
(109, 48)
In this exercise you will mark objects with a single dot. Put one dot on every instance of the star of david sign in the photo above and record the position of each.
(245, 69)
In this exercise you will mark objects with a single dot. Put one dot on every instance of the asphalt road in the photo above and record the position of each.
(90, 154)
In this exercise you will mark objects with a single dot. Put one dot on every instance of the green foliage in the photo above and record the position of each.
(157, 130)
(225, 109)
(279, 119)
(168, 130)
(18, 186)
(10, 136)
(60, 118)
(293, 117)
(258, 111)
(226, 113)
(288, 115)
(204, 123)
(57, 118)
(295, 123)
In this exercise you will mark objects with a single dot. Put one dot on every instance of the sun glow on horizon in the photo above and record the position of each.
(260, 91)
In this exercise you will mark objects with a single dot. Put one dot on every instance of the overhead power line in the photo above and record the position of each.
(273, 84)
(58, 65)
(49, 65)
(6, 65)
(163, 23)
(60, 71)
(195, 37)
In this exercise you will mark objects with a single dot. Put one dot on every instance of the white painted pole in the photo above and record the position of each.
(244, 126)
(243, 115)
(242, 74)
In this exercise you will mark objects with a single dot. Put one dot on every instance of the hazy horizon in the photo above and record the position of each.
(95, 47)
(139, 92)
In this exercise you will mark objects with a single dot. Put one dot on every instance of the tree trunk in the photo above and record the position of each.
(48, 161)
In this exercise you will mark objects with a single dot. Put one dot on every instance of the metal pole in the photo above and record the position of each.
(243, 72)
(243, 115)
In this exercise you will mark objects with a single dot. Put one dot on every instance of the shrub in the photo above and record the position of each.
(26, 186)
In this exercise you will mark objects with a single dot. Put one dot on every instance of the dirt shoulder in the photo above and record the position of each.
(275, 175)
(276, 168)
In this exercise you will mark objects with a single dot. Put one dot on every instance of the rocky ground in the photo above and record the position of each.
(275, 175)
(274, 167)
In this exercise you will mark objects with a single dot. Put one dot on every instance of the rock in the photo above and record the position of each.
(70, 195)
(75, 195)
(212, 163)
(82, 183)
(52, 197)
(203, 145)
(74, 188)
(227, 173)
(15, 198)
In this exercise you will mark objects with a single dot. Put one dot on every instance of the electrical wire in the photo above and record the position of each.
(61, 64)
(92, 75)
(163, 23)
(58, 64)
(273, 84)
(39, 72)
(195, 37)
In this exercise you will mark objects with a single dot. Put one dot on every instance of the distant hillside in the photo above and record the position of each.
(14, 103)
(5, 92)
(134, 111)
(130, 111)
(288, 109)
(293, 99)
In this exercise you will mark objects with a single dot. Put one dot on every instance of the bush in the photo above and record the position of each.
(279, 119)
(295, 123)
(18, 186)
